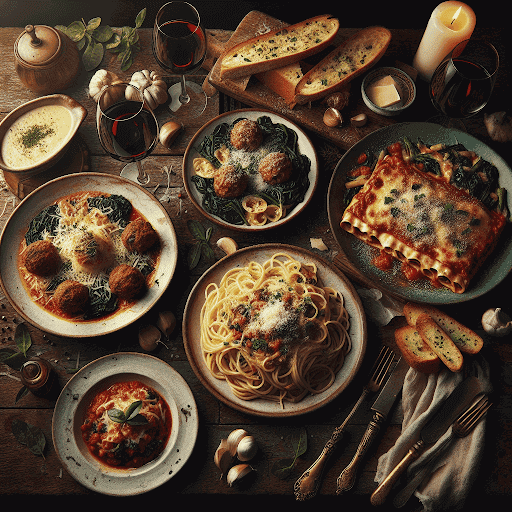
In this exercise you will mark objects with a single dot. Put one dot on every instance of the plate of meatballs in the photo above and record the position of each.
(87, 254)
(250, 170)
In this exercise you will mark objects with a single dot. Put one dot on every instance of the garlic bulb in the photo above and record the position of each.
(237, 472)
(152, 86)
(223, 458)
(246, 448)
(234, 438)
(101, 79)
(496, 323)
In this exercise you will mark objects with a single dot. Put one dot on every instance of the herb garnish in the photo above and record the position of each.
(34, 135)
(130, 416)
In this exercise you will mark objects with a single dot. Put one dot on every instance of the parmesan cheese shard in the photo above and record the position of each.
(318, 243)
(384, 95)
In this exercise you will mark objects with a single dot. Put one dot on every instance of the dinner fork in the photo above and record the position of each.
(308, 484)
(462, 426)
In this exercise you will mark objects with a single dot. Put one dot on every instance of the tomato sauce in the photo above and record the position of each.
(123, 442)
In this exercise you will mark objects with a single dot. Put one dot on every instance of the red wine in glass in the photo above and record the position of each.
(182, 47)
(127, 133)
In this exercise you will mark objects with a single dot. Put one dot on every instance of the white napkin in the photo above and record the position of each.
(457, 466)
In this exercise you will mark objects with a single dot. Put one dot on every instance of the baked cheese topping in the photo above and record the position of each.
(286, 41)
(422, 218)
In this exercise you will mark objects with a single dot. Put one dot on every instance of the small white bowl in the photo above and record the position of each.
(404, 85)
(78, 114)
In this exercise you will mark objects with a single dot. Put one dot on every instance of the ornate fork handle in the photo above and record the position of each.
(309, 482)
(347, 478)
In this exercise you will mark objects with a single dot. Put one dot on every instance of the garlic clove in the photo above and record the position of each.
(332, 117)
(247, 448)
(496, 323)
(237, 472)
(149, 337)
(168, 133)
(166, 322)
(228, 245)
(234, 438)
(358, 120)
(222, 458)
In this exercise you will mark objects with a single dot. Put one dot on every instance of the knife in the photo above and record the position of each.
(381, 408)
(447, 412)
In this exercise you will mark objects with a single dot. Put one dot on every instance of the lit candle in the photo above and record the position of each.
(450, 23)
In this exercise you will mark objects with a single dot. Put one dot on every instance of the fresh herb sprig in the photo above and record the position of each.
(29, 435)
(94, 38)
(202, 246)
(130, 416)
(282, 468)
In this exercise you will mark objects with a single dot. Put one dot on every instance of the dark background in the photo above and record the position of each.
(226, 14)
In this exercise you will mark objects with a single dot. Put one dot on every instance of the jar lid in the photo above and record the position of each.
(38, 44)
(31, 370)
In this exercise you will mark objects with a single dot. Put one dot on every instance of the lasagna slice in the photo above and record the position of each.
(423, 220)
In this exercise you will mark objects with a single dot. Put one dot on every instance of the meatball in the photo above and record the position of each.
(276, 168)
(71, 297)
(246, 135)
(126, 282)
(42, 258)
(229, 181)
(139, 236)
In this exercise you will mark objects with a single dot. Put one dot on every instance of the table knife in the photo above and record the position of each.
(381, 408)
(447, 412)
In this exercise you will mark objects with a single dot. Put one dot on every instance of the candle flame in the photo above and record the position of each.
(456, 15)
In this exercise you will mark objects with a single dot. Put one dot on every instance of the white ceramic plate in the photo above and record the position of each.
(305, 148)
(495, 268)
(70, 410)
(329, 277)
(46, 195)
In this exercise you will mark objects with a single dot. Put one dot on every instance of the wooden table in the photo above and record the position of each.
(24, 473)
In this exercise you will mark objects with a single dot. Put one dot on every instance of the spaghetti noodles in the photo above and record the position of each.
(272, 332)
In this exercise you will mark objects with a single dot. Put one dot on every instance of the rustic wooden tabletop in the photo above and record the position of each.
(23, 473)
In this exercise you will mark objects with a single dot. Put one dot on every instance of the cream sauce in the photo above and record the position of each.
(36, 135)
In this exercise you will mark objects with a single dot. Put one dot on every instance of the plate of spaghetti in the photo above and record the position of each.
(273, 330)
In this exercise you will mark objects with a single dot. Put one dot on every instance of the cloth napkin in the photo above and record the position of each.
(457, 464)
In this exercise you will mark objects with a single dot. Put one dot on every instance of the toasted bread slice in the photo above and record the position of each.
(466, 340)
(415, 351)
(353, 57)
(439, 342)
(279, 48)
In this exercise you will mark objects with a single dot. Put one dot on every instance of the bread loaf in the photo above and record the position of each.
(466, 340)
(415, 351)
(346, 62)
(439, 342)
(279, 48)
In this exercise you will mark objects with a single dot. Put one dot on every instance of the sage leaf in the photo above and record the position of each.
(93, 24)
(102, 34)
(22, 338)
(207, 251)
(116, 415)
(75, 31)
(139, 20)
(29, 435)
(194, 255)
(137, 420)
(21, 393)
(133, 410)
(12, 358)
(93, 55)
(197, 230)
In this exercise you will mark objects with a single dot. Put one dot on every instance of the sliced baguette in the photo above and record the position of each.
(415, 351)
(279, 48)
(353, 57)
(439, 342)
(466, 340)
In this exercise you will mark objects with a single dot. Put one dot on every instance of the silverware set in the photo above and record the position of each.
(460, 410)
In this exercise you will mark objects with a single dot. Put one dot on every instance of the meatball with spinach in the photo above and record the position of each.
(42, 258)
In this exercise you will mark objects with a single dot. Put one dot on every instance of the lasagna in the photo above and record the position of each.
(127, 425)
(410, 206)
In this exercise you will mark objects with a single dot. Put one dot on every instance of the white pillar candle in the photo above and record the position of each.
(450, 23)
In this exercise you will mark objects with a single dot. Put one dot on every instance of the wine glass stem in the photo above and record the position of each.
(184, 97)
(142, 177)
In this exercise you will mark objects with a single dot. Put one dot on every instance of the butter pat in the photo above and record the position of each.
(383, 92)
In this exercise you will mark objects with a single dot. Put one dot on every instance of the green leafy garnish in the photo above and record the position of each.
(94, 38)
(202, 246)
(282, 468)
(30, 436)
(130, 416)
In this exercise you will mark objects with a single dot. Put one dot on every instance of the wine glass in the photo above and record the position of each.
(463, 82)
(179, 46)
(127, 129)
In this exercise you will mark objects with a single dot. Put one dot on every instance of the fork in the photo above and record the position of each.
(309, 482)
(462, 426)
